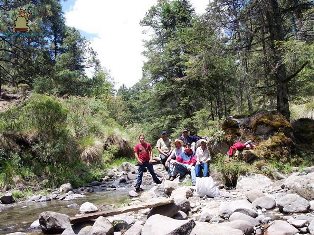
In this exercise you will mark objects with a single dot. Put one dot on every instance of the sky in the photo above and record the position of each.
(112, 27)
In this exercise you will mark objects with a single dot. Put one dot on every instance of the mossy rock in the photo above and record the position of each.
(303, 131)
(119, 146)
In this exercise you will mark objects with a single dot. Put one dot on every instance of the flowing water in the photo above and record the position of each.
(18, 217)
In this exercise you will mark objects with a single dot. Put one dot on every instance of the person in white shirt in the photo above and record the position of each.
(164, 147)
(202, 159)
(171, 160)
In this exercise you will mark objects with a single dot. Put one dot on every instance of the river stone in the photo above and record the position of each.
(241, 216)
(102, 226)
(256, 181)
(53, 222)
(264, 202)
(132, 176)
(85, 230)
(203, 228)
(254, 194)
(293, 203)
(159, 224)
(181, 216)
(311, 227)
(169, 186)
(182, 191)
(121, 222)
(68, 231)
(35, 225)
(301, 184)
(297, 223)
(135, 229)
(7, 199)
(17, 233)
(73, 196)
(64, 188)
(243, 206)
(166, 210)
(183, 204)
(280, 227)
(127, 167)
(246, 227)
(132, 193)
(88, 207)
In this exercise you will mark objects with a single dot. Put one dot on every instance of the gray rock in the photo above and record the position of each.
(127, 167)
(182, 191)
(297, 223)
(251, 182)
(246, 227)
(301, 184)
(280, 227)
(35, 225)
(243, 206)
(102, 226)
(166, 210)
(131, 176)
(7, 198)
(311, 227)
(122, 180)
(203, 228)
(205, 216)
(135, 229)
(73, 196)
(183, 204)
(170, 186)
(264, 202)
(34, 198)
(64, 188)
(53, 222)
(85, 230)
(293, 203)
(308, 218)
(180, 216)
(254, 194)
(158, 224)
(88, 207)
(68, 231)
(312, 205)
(132, 193)
(17, 233)
(121, 222)
(241, 216)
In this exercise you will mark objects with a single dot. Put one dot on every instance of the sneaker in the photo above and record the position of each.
(171, 178)
(139, 189)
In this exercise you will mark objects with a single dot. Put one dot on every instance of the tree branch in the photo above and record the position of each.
(289, 78)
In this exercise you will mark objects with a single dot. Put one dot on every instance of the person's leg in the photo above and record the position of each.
(182, 169)
(193, 175)
(152, 172)
(205, 169)
(198, 170)
(140, 171)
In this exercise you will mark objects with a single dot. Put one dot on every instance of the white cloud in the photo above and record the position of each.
(119, 38)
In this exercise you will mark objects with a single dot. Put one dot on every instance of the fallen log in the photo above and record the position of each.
(90, 216)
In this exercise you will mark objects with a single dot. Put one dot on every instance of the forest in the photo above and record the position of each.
(65, 115)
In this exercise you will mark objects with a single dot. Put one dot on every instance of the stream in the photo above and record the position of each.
(19, 216)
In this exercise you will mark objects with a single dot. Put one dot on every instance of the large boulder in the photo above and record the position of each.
(135, 229)
(88, 207)
(264, 202)
(301, 184)
(64, 188)
(122, 146)
(203, 228)
(158, 224)
(243, 206)
(68, 231)
(170, 186)
(102, 226)
(280, 227)
(246, 227)
(253, 182)
(127, 167)
(182, 191)
(293, 203)
(254, 194)
(240, 216)
(7, 199)
(168, 210)
(53, 222)
(311, 227)
(183, 204)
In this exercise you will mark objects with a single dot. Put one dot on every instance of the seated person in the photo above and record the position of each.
(189, 139)
(202, 159)
(184, 164)
(239, 146)
(164, 147)
(169, 164)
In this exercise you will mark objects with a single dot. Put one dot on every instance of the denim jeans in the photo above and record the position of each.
(184, 169)
(199, 167)
(140, 172)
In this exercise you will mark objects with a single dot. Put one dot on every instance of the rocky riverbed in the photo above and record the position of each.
(258, 205)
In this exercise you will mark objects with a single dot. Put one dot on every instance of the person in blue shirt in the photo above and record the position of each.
(189, 139)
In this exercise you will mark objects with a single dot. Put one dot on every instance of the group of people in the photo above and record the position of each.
(190, 155)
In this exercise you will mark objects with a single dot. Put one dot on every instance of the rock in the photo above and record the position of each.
(169, 186)
(35, 225)
(34, 198)
(122, 180)
(121, 222)
(301, 184)
(64, 188)
(297, 223)
(246, 227)
(7, 199)
(280, 227)
(293, 203)
(183, 204)
(241, 216)
(312, 205)
(73, 196)
(111, 174)
(311, 227)
(180, 216)
(264, 202)
(17, 233)
(205, 216)
(68, 231)
(85, 230)
(202, 228)
(132, 193)
(88, 207)
(102, 226)
(131, 176)
(94, 183)
(158, 224)
(182, 191)
(166, 210)
(254, 194)
(256, 181)
(127, 167)
(135, 229)
(53, 222)
(243, 206)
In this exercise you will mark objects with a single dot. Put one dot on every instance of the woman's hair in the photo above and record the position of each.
(141, 135)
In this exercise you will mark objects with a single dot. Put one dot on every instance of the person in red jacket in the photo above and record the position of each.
(239, 146)
(143, 153)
